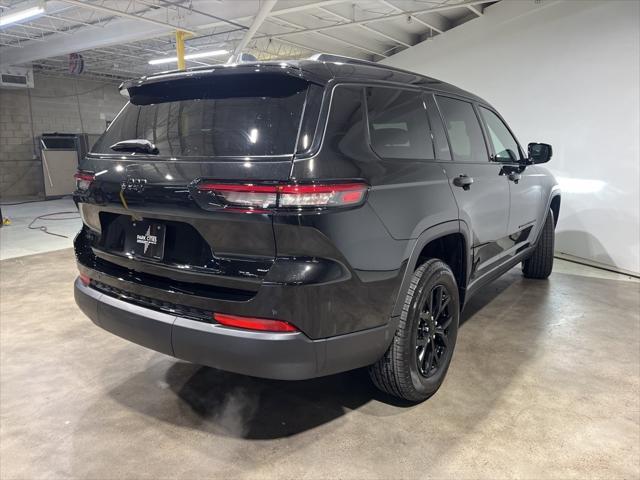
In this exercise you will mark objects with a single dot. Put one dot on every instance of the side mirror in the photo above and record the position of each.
(540, 152)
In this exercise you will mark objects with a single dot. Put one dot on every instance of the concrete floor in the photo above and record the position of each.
(17, 239)
(545, 383)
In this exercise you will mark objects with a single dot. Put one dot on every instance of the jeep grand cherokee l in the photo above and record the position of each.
(296, 219)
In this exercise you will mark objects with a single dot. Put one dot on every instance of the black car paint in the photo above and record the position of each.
(330, 273)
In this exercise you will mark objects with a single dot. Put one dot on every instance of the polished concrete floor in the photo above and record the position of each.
(545, 383)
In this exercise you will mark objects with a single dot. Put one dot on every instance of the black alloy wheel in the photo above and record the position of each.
(417, 360)
(432, 340)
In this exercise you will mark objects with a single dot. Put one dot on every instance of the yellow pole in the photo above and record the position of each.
(180, 49)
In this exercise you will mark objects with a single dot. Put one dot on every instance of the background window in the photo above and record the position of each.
(465, 135)
(504, 145)
(398, 124)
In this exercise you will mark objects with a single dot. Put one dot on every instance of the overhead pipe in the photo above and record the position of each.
(263, 13)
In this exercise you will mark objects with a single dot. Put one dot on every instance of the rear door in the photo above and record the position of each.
(481, 192)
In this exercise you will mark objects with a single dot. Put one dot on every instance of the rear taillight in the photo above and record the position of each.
(83, 180)
(287, 196)
(250, 323)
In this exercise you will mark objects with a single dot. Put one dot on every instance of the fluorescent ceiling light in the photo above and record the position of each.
(14, 17)
(191, 56)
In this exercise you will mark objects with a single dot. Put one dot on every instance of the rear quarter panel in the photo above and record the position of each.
(374, 241)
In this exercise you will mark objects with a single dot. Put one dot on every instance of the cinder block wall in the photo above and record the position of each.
(65, 105)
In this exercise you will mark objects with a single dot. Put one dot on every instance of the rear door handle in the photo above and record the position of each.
(463, 181)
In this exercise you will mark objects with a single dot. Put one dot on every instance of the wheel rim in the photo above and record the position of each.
(432, 340)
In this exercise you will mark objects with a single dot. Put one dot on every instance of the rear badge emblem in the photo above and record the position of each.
(134, 184)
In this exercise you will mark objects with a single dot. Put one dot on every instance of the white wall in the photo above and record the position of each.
(565, 73)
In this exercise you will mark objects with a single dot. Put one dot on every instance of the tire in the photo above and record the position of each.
(540, 264)
(401, 372)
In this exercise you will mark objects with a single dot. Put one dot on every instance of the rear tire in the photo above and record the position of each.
(414, 366)
(540, 264)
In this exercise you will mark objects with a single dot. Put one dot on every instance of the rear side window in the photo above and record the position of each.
(242, 120)
(311, 115)
(345, 131)
(398, 124)
(465, 135)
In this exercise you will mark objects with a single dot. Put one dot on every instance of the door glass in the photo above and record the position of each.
(465, 135)
(398, 124)
(504, 145)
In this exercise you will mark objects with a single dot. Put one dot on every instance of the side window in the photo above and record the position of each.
(441, 143)
(504, 145)
(398, 124)
(465, 135)
(310, 118)
(346, 126)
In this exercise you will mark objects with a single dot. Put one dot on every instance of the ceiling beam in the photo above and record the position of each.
(84, 38)
(27, 38)
(383, 18)
(136, 28)
(384, 35)
(282, 11)
(301, 28)
(120, 31)
(476, 9)
(118, 13)
(345, 42)
(365, 27)
(190, 8)
(413, 17)
(299, 45)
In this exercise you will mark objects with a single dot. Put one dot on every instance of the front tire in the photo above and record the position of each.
(414, 366)
(540, 264)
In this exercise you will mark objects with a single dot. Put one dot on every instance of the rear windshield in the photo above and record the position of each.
(232, 116)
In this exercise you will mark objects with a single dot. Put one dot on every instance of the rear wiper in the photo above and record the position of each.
(139, 145)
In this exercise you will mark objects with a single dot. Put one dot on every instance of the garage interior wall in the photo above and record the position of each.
(55, 105)
(565, 73)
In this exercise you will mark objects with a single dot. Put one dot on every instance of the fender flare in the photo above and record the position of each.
(553, 193)
(415, 248)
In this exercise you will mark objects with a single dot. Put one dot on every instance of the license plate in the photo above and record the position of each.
(147, 239)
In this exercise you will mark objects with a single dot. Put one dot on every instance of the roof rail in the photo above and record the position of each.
(329, 57)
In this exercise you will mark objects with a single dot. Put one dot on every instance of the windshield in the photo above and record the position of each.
(212, 119)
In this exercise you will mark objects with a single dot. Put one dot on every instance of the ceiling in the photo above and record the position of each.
(117, 38)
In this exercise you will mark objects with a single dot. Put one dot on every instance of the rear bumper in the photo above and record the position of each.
(285, 356)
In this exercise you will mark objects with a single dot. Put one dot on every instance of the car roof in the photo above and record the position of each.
(320, 69)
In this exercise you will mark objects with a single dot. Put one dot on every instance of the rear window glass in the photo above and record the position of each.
(213, 118)
(398, 124)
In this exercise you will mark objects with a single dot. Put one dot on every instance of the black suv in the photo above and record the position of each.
(296, 219)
